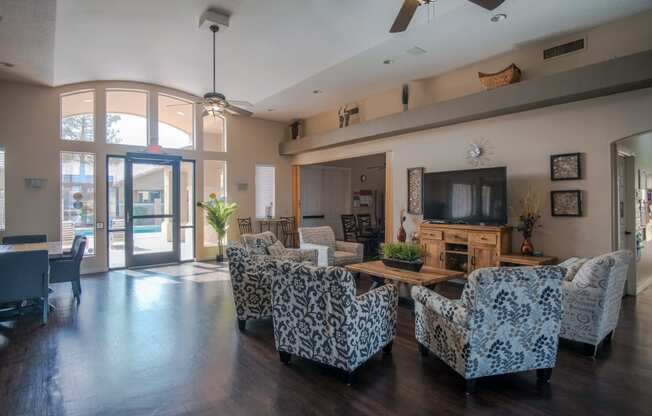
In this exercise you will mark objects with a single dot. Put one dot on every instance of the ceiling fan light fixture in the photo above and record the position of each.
(499, 17)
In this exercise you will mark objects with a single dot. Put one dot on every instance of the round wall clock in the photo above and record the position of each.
(363, 178)
(479, 153)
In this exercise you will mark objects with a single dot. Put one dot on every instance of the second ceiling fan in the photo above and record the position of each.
(410, 7)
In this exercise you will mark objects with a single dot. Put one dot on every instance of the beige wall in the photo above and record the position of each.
(619, 38)
(524, 142)
(29, 131)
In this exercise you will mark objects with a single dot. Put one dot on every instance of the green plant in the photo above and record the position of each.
(218, 213)
(402, 251)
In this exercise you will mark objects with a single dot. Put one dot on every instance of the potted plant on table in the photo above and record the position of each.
(528, 221)
(406, 256)
(218, 213)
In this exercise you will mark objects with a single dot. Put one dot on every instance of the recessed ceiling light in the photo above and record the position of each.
(388, 61)
(7, 64)
(87, 100)
(415, 50)
(271, 109)
(181, 113)
(317, 91)
(498, 17)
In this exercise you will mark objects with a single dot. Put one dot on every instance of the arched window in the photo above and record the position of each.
(126, 117)
(78, 116)
(176, 118)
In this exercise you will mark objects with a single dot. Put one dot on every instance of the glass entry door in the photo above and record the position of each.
(152, 209)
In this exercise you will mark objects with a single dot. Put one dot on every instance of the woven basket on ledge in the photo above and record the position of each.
(507, 76)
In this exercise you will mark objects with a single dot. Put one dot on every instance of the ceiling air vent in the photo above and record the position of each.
(565, 49)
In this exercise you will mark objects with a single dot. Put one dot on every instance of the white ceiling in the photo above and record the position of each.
(275, 52)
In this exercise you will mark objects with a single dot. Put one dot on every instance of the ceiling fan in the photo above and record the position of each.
(215, 103)
(410, 7)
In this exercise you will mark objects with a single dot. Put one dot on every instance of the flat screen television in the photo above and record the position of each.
(476, 196)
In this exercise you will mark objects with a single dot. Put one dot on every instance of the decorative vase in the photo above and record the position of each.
(402, 235)
(527, 249)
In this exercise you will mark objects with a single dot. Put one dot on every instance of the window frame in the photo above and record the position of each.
(224, 135)
(148, 113)
(3, 210)
(94, 227)
(265, 165)
(193, 134)
(67, 94)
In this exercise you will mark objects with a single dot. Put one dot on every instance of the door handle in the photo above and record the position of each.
(628, 233)
(128, 215)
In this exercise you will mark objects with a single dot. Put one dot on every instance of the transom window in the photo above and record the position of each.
(126, 117)
(175, 123)
(78, 116)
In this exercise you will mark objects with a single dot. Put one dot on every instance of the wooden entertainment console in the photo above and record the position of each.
(464, 247)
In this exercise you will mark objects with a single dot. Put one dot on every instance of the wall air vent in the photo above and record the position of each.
(565, 49)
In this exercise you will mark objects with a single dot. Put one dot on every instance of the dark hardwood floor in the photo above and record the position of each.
(165, 342)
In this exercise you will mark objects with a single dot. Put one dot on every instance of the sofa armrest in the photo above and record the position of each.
(325, 254)
(452, 310)
(350, 247)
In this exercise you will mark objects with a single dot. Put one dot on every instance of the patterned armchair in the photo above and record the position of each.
(318, 316)
(592, 299)
(507, 321)
(252, 286)
(266, 243)
(329, 251)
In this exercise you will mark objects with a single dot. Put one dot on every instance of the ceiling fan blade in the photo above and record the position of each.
(240, 103)
(402, 21)
(488, 4)
(237, 111)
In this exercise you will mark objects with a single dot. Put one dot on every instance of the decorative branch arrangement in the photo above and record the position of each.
(530, 216)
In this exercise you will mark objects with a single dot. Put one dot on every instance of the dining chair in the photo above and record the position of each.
(244, 224)
(67, 268)
(350, 227)
(290, 234)
(25, 239)
(364, 223)
(24, 276)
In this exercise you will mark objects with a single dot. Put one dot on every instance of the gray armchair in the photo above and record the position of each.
(329, 251)
(24, 276)
(592, 299)
(67, 268)
(507, 321)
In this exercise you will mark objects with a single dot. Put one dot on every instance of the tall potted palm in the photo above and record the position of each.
(218, 213)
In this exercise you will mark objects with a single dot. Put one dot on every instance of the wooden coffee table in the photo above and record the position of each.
(428, 276)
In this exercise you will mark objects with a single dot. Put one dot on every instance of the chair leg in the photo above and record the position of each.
(423, 350)
(387, 349)
(46, 309)
(76, 290)
(471, 386)
(609, 337)
(349, 377)
(242, 324)
(285, 357)
(591, 350)
(544, 374)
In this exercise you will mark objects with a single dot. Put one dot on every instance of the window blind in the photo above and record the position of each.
(265, 191)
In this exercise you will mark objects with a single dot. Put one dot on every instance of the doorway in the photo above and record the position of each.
(632, 196)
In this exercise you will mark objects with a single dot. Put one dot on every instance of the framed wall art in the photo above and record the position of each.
(566, 167)
(415, 190)
(566, 203)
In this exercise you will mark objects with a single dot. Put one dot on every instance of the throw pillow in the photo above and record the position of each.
(572, 266)
(277, 249)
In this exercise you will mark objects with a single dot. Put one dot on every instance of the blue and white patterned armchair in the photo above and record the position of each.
(592, 299)
(507, 321)
(252, 285)
(318, 316)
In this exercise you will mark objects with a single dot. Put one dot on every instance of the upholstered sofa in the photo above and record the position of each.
(330, 252)
(593, 297)
(506, 321)
(249, 268)
(318, 316)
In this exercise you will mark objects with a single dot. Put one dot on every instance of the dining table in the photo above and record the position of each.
(54, 248)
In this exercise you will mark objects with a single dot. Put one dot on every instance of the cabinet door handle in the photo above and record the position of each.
(441, 256)
(472, 260)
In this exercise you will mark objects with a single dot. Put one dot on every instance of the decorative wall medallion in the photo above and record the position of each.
(479, 153)
(566, 203)
(415, 190)
(565, 167)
